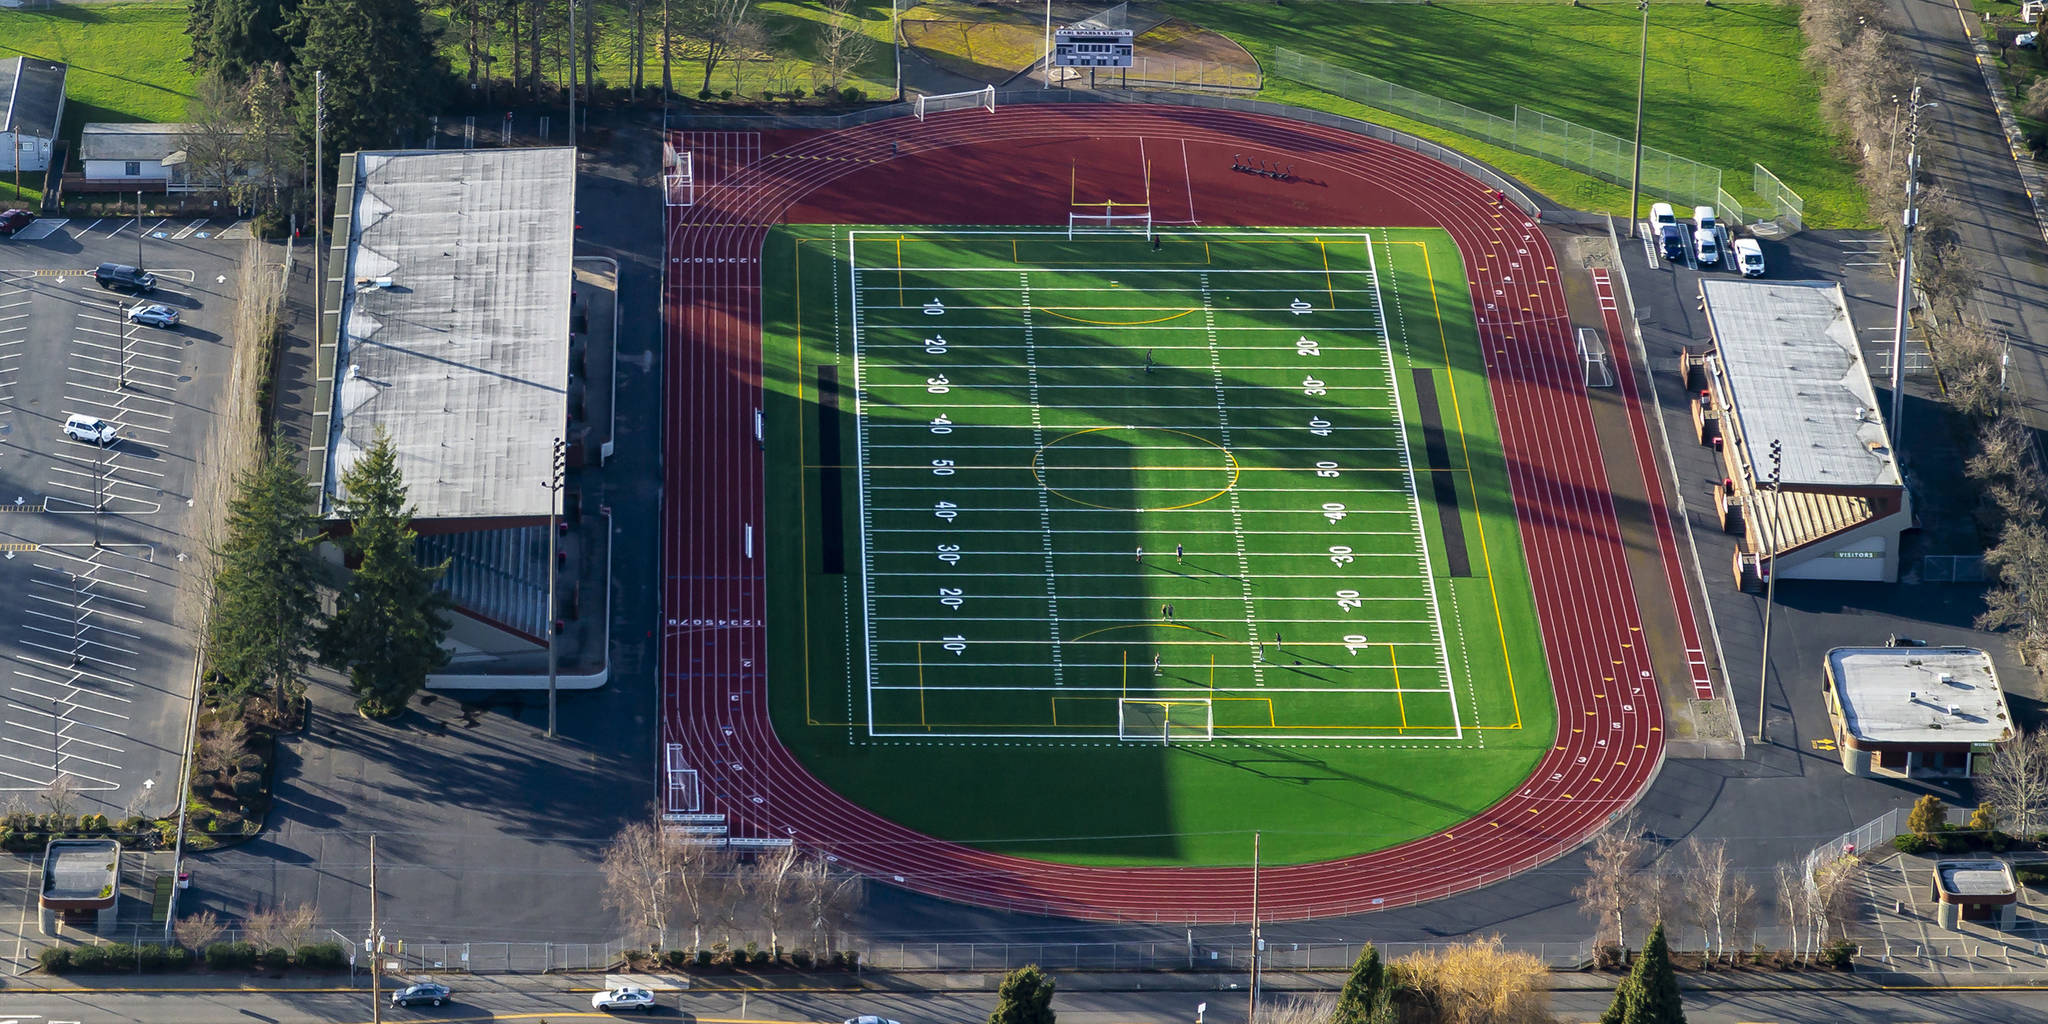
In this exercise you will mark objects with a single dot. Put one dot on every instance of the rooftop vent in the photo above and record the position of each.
(371, 284)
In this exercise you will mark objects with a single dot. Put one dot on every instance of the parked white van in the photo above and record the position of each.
(1749, 257)
(1707, 245)
(1661, 214)
(1703, 218)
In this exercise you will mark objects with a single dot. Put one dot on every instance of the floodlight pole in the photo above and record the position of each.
(572, 106)
(1046, 82)
(138, 229)
(1252, 1010)
(896, 42)
(1770, 545)
(99, 498)
(319, 174)
(375, 943)
(1635, 177)
(127, 329)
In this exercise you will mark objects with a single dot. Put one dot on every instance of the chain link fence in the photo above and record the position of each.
(1789, 207)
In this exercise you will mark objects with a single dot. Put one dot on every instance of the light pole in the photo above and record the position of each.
(138, 229)
(1770, 546)
(1908, 220)
(1635, 177)
(896, 43)
(1252, 1011)
(127, 329)
(99, 499)
(1046, 82)
(554, 486)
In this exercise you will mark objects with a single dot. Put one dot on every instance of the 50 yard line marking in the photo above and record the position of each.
(1244, 565)
(1052, 596)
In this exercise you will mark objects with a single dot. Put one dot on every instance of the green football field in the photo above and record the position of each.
(1115, 552)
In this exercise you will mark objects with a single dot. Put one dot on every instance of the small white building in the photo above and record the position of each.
(1914, 712)
(133, 157)
(32, 96)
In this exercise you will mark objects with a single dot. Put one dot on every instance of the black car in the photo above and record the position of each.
(121, 275)
(425, 992)
(1671, 238)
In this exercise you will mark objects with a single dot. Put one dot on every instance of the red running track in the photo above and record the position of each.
(976, 167)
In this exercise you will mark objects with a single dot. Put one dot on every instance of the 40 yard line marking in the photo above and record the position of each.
(1052, 595)
(1244, 565)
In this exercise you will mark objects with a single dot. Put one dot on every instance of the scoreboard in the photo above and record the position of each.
(1092, 48)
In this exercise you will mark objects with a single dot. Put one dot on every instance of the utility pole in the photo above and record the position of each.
(1252, 1010)
(554, 486)
(375, 943)
(1908, 221)
(1635, 177)
(572, 111)
(1763, 675)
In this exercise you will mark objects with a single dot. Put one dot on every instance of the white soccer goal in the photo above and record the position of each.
(1594, 357)
(679, 182)
(1165, 720)
(985, 98)
(1112, 222)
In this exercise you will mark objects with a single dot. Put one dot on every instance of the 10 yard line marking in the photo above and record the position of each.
(1244, 566)
(1052, 597)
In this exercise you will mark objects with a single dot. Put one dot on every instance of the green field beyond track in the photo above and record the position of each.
(1113, 554)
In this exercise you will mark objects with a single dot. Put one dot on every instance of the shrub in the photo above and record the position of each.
(249, 763)
(725, 94)
(676, 959)
(276, 958)
(764, 957)
(177, 958)
(704, 94)
(95, 823)
(1928, 817)
(55, 959)
(321, 956)
(247, 786)
(852, 959)
(150, 957)
(229, 822)
(796, 94)
(2035, 875)
(853, 95)
(801, 959)
(90, 959)
(230, 956)
(1910, 843)
(1838, 954)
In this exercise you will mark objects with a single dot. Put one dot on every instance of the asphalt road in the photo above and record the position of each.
(2013, 1007)
(95, 666)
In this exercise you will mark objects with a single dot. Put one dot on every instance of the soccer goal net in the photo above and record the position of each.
(1598, 362)
(1164, 720)
(679, 181)
(985, 98)
(1109, 218)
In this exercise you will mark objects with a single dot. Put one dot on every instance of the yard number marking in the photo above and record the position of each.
(942, 467)
(1326, 469)
(1318, 426)
(941, 424)
(1307, 347)
(946, 510)
(1333, 511)
(1347, 600)
(949, 554)
(935, 308)
(1299, 307)
(1313, 387)
(938, 385)
(954, 644)
(935, 345)
(951, 597)
(1340, 554)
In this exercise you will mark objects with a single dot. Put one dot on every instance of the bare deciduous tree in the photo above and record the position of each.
(1296, 1010)
(773, 882)
(279, 926)
(2015, 781)
(222, 742)
(842, 44)
(61, 793)
(198, 931)
(2020, 560)
(829, 898)
(1707, 887)
(716, 25)
(637, 879)
(1613, 886)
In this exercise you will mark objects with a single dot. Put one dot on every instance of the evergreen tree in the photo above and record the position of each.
(266, 585)
(387, 625)
(1649, 995)
(385, 73)
(232, 37)
(1365, 996)
(1024, 998)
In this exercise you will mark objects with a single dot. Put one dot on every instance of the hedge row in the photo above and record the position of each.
(22, 831)
(120, 957)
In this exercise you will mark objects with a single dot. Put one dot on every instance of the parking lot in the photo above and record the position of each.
(96, 541)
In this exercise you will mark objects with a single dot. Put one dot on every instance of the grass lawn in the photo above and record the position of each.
(1725, 85)
(1347, 654)
(128, 61)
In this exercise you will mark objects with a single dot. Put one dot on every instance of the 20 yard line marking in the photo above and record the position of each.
(1052, 596)
(1244, 566)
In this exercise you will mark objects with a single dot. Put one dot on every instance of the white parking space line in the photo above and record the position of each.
(156, 230)
(124, 225)
(42, 229)
(94, 224)
(188, 229)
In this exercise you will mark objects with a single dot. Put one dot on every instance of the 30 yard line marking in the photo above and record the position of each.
(1244, 566)
(1052, 594)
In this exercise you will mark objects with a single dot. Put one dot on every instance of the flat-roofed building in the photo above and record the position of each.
(448, 328)
(1786, 377)
(1975, 890)
(1914, 712)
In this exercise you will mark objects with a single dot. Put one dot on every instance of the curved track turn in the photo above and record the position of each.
(714, 699)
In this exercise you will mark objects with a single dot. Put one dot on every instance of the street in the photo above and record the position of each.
(503, 1003)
